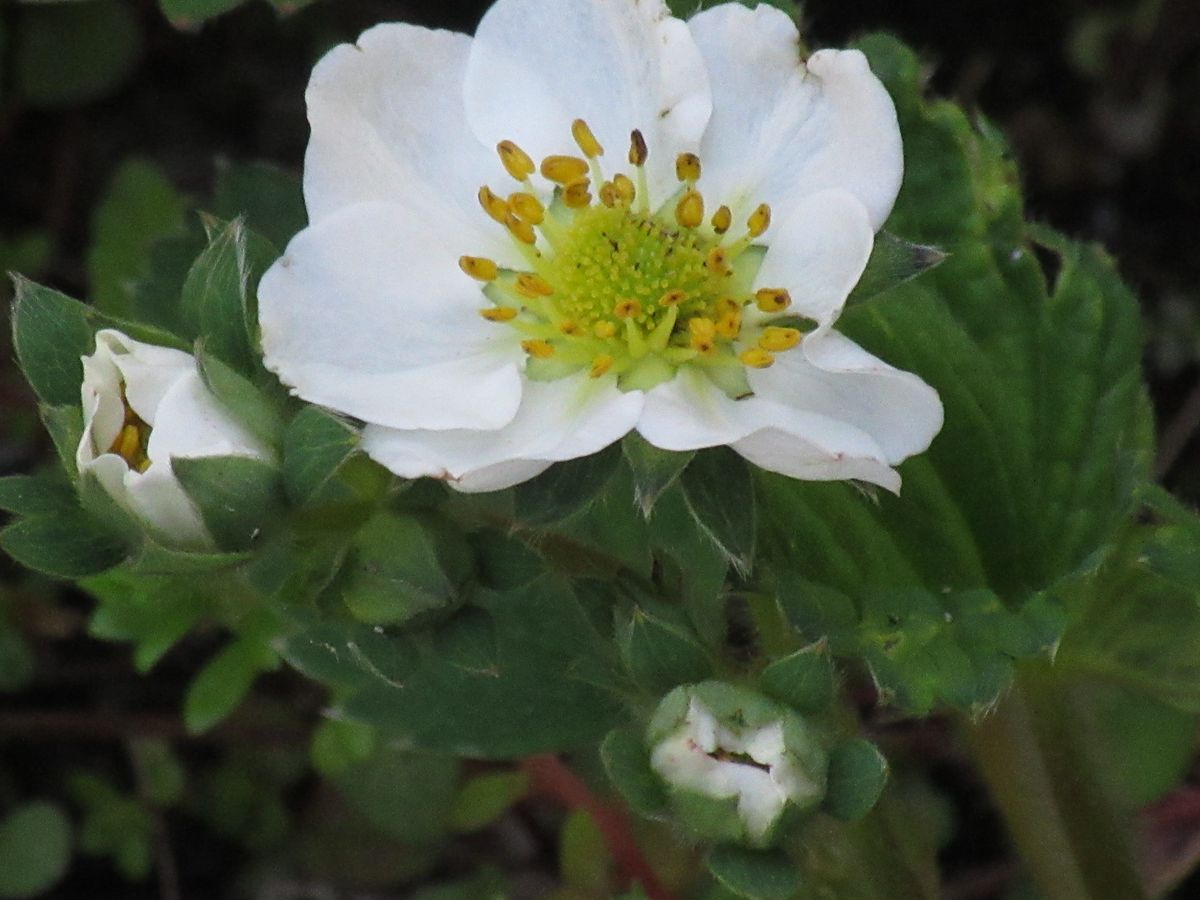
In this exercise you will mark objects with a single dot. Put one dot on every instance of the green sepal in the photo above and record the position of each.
(627, 761)
(803, 680)
(51, 333)
(893, 261)
(755, 874)
(565, 487)
(857, 775)
(238, 497)
(250, 405)
(660, 655)
(70, 544)
(654, 470)
(46, 493)
(65, 427)
(720, 494)
(316, 444)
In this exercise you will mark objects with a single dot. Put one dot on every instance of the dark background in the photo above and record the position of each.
(1101, 102)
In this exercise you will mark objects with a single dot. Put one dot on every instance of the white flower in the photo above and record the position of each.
(688, 291)
(142, 406)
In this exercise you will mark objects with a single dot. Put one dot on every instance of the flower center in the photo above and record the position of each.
(132, 440)
(613, 286)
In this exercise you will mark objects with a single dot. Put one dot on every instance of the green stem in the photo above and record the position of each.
(1033, 752)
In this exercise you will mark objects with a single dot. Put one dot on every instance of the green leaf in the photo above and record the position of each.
(16, 657)
(151, 612)
(803, 680)
(350, 656)
(268, 198)
(583, 857)
(50, 334)
(68, 545)
(893, 261)
(249, 405)
(315, 444)
(44, 494)
(65, 426)
(140, 206)
(531, 706)
(338, 744)
(565, 487)
(654, 470)
(70, 53)
(627, 762)
(504, 562)
(468, 640)
(190, 13)
(485, 798)
(237, 496)
(401, 569)
(686, 8)
(407, 795)
(857, 774)
(755, 874)
(720, 494)
(660, 655)
(35, 849)
(224, 683)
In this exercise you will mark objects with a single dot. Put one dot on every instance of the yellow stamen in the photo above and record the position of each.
(722, 219)
(727, 305)
(570, 328)
(576, 194)
(701, 326)
(600, 365)
(687, 167)
(756, 358)
(717, 261)
(608, 194)
(672, 298)
(496, 207)
(520, 229)
(772, 299)
(729, 325)
(689, 212)
(128, 444)
(627, 309)
(759, 221)
(499, 313)
(626, 192)
(564, 169)
(537, 348)
(588, 145)
(777, 339)
(604, 329)
(479, 268)
(531, 285)
(637, 149)
(515, 160)
(528, 207)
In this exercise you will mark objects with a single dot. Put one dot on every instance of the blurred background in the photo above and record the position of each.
(118, 121)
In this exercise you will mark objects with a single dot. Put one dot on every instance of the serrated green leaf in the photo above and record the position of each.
(755, 874)
(406, 794)
(237, 496)
(565, 487)
(224, 683)
(857, 774)
(468, 640)
(139, 206)
(151, 612)
(627, 762)
(654, 470)
(484, 798)
(35, 849)
(720, 494)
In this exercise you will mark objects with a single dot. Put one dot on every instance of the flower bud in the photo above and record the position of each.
(142, 406)
(736, 764)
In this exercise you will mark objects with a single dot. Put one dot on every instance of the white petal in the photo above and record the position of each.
(781, 129)
(191, 422)
(368, 313)
(690, 412)
(557, 420)
(103, 411)
(820, 251)
(147, 370)
(388, 125)
(537, 65)
(157, 498)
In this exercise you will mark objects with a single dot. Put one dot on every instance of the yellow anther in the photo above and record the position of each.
(588, 145)
(499, 313)
(772, 299)
(627, 309)
(729, 325)
(722, 219)
(637, 149)
(672, 298)
(777, 339)
(604, 329)
(689, 211)
(702, 326)
(515, 160)
(756, 358)
(520, 229)
(687, 167)
(538, 348)
(128, 444)
(727, 305)
(608, 194)
(564, 169)
(701, 344)
(496, 207)
(531, 285)
(527, 207)
(625, 189)
(717, 261)
(479, 268)
(600, 365)
(576, 194)
(570, 328)
(759, 221)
